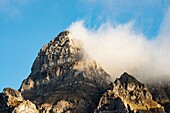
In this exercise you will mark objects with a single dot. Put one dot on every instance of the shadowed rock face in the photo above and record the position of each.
(64, 79)
(64, 73)
(160, 91)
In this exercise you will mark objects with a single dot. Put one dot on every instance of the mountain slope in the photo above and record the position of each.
(128, 95)
(63, 72)
(65, 79)
(160, 91)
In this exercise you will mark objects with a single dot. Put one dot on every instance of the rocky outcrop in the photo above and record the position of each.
(109, 103)
(11, 101)
(128, 95)
(25, 107)
(64, 79)
(160, 91)
(63, 74)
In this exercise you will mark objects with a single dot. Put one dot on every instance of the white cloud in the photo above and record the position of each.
(119, 48)
(162, 46)
(147, 14)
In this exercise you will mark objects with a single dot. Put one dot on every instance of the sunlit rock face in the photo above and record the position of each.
(65, 79)
(11, 101)
(128, 95)
(63, 71)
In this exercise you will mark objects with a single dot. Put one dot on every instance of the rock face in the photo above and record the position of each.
(64, 79)
(25, 107)
(64, 75)
(128, 95)
(11, 101)
(160, 91)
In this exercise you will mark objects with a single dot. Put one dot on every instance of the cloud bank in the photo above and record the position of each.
(120, 48)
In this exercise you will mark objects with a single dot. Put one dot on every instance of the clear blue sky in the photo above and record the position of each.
(27, 25)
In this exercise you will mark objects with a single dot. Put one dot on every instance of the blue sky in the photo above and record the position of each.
(27, 25)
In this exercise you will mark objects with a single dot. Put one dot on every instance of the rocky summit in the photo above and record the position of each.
(128, 95)
(65, 79)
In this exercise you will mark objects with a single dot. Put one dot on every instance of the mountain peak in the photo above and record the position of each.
(64, 78)
(128, 95)
(63, 36)
(65, 39)
(126, 79)
(63, 66)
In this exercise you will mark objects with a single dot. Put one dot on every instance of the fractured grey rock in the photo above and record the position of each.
(63, 72)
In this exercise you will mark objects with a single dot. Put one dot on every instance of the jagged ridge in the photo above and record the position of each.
(64, 72)
(65, 79)
(128, 95)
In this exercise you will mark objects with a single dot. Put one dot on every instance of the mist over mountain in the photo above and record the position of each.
(120, 48)
(64, 78)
